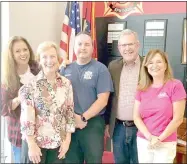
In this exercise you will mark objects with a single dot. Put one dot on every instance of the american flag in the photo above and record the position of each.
(71, 26)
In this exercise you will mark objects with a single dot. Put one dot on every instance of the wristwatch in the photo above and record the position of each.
(83, 118)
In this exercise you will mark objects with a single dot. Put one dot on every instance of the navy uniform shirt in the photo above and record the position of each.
(88, 81)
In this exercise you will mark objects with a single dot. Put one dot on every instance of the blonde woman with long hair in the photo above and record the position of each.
(158, 110)
(18, 67)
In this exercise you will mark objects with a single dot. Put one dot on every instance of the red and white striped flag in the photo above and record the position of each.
(71, 26)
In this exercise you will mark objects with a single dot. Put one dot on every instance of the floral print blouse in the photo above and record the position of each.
(47, 111)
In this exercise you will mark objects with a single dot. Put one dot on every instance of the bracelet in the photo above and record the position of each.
(83, 118)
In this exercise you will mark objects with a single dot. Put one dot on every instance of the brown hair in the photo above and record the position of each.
(84, 33)
(145, 78)
(9, 73)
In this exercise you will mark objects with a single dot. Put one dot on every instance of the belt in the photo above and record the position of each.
(125, 123)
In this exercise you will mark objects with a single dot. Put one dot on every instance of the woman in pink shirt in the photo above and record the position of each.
(158, 110)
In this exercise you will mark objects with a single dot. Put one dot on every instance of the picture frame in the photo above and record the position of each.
(184, 42)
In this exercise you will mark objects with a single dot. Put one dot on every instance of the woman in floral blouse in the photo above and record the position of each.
(47, 116)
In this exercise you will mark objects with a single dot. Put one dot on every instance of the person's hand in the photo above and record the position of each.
(79, 123)
(65, 63)
(18, 100)
(63, 149)
(34, 153)
(154, 142)
(15, 102)
(107, 134)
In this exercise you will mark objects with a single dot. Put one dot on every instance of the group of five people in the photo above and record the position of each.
(61, 115)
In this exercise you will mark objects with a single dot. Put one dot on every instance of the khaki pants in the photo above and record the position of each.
(165, 153)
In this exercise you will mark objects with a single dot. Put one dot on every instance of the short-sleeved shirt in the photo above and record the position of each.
(156, 109)
(88, 81)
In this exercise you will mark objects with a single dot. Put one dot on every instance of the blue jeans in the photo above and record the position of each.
(16, 153)
(124, 144)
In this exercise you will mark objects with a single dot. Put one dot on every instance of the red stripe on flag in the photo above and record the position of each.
(63, 45)
(67, 29)
(64, 28)
(74, 57)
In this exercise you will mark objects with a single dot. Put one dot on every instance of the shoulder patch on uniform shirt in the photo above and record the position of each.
(88, 75)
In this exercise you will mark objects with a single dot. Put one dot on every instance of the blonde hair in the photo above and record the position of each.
(9, 73)
(45, 46)
(145, 78)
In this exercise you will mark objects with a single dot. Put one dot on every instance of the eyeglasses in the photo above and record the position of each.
(130, 45)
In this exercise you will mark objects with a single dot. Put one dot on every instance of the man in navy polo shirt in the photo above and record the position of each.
(92, 85)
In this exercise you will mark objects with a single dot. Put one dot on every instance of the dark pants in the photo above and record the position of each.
(48, 155)
(124, 144)
(87, 144)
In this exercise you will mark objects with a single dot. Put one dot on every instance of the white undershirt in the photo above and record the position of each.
(26, 77)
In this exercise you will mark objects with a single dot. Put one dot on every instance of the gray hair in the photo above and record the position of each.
(128, 32)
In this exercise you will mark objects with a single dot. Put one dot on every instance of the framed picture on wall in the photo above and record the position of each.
(184, 42)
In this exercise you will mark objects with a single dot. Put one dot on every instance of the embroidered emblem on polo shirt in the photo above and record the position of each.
(88, 75)
(162, 95)
(66, 75)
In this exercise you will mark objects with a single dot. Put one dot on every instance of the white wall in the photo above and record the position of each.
(37, 21)
(5, 23)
